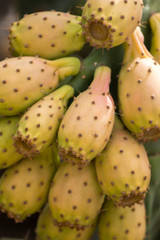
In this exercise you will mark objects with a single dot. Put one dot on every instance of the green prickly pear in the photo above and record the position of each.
(123, 168)
(24, 80)
(75, 197)
(24, 186)
(57, 160)
(88, 122)
(8, 154)
(138, 90)
(46, 229)
(118, 223)
(107, 24)
(49, 34)
(39, 125)
(154, 21)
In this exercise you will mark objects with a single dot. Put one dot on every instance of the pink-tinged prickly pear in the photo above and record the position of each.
(46, 229)
(118, 223)
(24, 80)
(49, 34)
(123, 168)
(88, 122)
(8, 154)
(138, 90)
(24, 186)
(154, 21)
(107, 23)
(75, 197)
(38, 126)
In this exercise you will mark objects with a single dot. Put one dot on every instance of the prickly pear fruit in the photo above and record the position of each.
(75, 197)
(138, 90)
(57, 160)
(8, 154)
(88, 122)
(49, 34)
(122, 223)
(39, 125)
(24, 186)
(123, 168)
(46, 229)
(154, 21)
(24, 80)
(107, 24)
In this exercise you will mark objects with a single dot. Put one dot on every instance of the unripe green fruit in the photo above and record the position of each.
(154, 21)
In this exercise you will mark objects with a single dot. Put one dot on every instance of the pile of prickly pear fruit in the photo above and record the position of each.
(79, 135)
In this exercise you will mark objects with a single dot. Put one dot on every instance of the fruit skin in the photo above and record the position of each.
(84, 131)
(24, 80)
(38, 126)
(75, 197)
(49, 34)
(107, 24)
(24, 186)
(122, 223)
(138, 90)
(8, 154)
(123, 168)
(154, 21)
(47, 229)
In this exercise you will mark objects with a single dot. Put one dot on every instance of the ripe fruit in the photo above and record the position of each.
(24, 186)
(88, 122)
(122, 223)
(107, 23)
(138, 90)
(24, 80)
(38, 126)
(123, 168)
(46, 229)
(75, 197)
(49, 34)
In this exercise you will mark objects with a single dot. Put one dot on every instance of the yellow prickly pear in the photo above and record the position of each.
(49, 34)
(24, 80)
(107, 24)
(123, 168)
